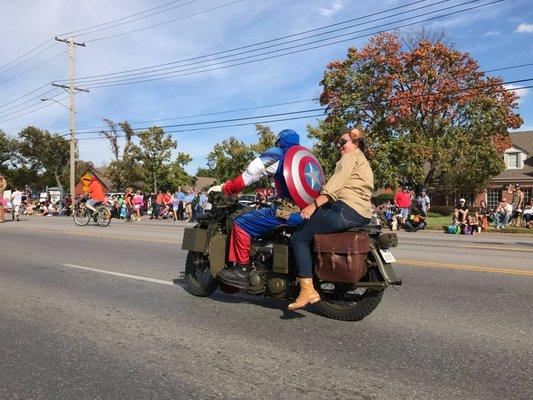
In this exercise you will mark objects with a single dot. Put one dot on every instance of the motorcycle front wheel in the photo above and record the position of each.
(347, 303)
(198, 277)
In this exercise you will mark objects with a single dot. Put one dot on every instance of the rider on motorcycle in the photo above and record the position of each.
(96, 193)
(255, 223)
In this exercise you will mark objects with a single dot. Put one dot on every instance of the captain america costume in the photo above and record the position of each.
(255, 223)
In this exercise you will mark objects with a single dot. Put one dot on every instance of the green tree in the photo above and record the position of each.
(206, 172)
(232, 156)
(175, 174)
(8, 150)
(267, 139)
(153, 152)
(426, 108)
(44, 152)
(123, 169)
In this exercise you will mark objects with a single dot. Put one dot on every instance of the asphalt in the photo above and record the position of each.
(459, 327)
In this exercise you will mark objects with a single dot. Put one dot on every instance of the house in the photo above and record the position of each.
(518, 161)
(83, 185)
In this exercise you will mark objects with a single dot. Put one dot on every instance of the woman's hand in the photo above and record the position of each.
(308, 211)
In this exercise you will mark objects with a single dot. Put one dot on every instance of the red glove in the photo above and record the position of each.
(233, 186)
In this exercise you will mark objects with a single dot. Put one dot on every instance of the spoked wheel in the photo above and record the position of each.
(81, 217)
(103, 216)
(198, 277)
(348, 303)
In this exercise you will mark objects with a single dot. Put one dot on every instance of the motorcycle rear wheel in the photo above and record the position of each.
(198, 277)
(346, 303)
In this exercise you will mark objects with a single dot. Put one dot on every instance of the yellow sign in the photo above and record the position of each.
(86, 180)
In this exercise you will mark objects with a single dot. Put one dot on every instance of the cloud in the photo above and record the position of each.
(335, 7)
(524, 28)
(521, 93)
(493, 33)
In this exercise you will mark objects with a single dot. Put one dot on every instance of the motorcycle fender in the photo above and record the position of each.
(386, 270)
(217, 253)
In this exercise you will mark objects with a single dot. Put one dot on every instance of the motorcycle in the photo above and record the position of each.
(273, 272)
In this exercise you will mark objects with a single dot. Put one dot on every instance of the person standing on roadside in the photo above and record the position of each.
(128, 201)
(423, 200)
(180, 196)
(517, 203)
(402, 200)
(3, 185)
(16, 201)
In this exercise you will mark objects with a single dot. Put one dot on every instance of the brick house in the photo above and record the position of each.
(518, 161)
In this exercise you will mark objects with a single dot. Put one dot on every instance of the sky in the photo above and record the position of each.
(498, 35)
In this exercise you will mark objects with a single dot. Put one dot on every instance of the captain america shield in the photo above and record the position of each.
(303, 175)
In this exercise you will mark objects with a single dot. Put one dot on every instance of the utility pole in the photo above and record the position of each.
(72, 89)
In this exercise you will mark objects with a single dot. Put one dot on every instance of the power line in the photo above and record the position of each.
(199, 70)
(511, 67)
(226, 126)
(34, 67)
(27, 53)
(156, 68)
(28, 101)
(221, 121)
(19, 108)
(119, 19)
(256, 44)
(452, 92)
(29, 112)
(24, 95)
(164, 23)
(134, 20)
(100, 127)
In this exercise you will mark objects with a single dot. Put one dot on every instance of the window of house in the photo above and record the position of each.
(493, 198)
(513, 160)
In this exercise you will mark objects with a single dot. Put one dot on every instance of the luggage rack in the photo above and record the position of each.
(370, 229)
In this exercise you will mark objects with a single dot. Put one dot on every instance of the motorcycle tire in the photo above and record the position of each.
(198, 278)
(367, 302)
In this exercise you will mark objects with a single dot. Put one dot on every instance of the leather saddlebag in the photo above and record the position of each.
(341, 257)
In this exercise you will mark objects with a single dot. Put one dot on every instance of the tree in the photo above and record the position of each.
(45, 152)
(426, 109)
(206, 172)
(232, 156)
(8, 150)
(153, 152)
(175, 174)
(123, 169)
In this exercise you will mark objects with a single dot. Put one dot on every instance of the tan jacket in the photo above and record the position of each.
(352, 182)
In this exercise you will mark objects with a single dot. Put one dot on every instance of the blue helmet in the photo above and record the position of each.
(287, 138)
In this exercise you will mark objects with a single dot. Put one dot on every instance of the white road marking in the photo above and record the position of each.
(137, 277)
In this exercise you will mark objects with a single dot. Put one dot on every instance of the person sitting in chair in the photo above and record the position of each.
(416, 220)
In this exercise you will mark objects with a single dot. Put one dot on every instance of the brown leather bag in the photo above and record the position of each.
(341, 257)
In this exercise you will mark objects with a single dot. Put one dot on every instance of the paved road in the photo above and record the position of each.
(460, 327)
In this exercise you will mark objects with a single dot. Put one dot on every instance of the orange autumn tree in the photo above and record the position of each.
(431, 115)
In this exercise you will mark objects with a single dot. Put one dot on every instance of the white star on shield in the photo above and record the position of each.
(313, 175)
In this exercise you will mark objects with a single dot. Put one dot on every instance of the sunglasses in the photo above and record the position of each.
(342, 142)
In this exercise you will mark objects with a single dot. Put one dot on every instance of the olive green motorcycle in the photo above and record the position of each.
(273, 272)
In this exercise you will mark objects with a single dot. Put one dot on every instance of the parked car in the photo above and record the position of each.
(247, 199)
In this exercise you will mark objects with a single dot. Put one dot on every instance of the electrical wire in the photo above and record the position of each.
(121, 82)
(221, 121)
(138, 19)
(29, 100)
(34, 67)
(452, 92)
(120, 19)
(27, 53)
(164, 23)
(29, 112)
(253, 44)
(226, 126)
(100, 127)
(511, 67)
(21, 107)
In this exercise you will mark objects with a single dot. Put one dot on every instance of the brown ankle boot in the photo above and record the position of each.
(308, 294)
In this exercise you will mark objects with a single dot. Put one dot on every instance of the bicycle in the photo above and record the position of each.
(82, 215)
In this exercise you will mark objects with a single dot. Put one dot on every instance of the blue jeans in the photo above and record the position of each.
(331, 217)
(501, 219)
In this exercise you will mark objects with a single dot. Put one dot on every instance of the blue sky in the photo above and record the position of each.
(497, 36)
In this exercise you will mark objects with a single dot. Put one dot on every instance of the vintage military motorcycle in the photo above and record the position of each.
(273, 272)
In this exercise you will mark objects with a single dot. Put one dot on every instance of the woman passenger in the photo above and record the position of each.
(344, 202)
